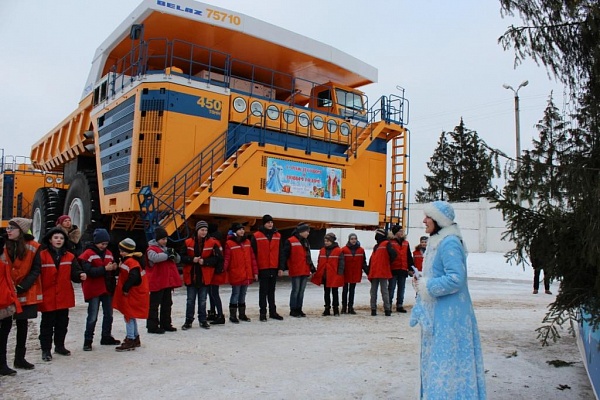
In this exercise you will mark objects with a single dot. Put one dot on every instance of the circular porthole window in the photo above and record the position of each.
(303, 119)
(318, 122)
(239, 104)
(345, 129)
(256, 108)
(332, 126)
(289, 116)
(272, 112)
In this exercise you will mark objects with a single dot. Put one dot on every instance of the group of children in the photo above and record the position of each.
(42, 276)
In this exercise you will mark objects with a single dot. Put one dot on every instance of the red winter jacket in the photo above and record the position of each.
(161, 274)
(331, 263)
(240, 262)
(8, 294)
(93, 261)
(354, 262)
(59, 268)
(137, 302)
(380, 261)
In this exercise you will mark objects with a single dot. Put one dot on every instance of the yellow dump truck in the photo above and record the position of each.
(191, 111)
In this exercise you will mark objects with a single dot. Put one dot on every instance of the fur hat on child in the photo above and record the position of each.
(331, 237)
(101, 236)
(302, 227)
(160, 233)
(266, 218)
(127, 245)
(200, 225)
(62, 219)
(396, 229)
(441, 212)
(24, 224)
(380, 235)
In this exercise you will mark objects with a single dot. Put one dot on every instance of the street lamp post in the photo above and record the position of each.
(517, 130)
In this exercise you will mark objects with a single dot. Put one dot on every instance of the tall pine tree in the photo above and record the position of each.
(560, 198)
(462, 168)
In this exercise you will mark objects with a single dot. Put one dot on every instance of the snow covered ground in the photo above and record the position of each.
(350, 357)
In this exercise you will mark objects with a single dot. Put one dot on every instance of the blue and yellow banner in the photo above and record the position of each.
(304, 180)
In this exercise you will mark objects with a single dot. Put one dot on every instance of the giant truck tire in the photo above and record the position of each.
(47, 206)
(82, 203)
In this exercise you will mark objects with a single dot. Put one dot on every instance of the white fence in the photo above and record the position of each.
(482, 227)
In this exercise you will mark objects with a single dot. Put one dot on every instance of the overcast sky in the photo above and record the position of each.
(444, 53)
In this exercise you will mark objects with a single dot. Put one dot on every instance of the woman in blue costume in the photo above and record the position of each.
(451, 357)
(274, 178)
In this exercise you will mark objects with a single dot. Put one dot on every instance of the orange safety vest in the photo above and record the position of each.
(240, 262)
(379, 263)
(95, 286)
(56, 282)
(402, 249)
(8, 295)
(207, 251)
(19, 269)
(267, 256)
(137, 302)
(296, 263)
(353, 264)
(418, 259)
(328, 266)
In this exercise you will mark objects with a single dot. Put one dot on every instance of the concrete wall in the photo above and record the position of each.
(482, 227)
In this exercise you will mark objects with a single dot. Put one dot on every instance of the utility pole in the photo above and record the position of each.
(517, 131)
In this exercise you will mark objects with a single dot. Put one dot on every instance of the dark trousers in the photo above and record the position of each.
(215, 299)
(536, 279)
(348, 294)
(5, 325)
(162, 299)
(267, 280)
(54, 324)
(328, 294)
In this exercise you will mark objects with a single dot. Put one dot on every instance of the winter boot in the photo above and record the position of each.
(233, 313)
(46, 355)
(109, 341)
(4, 369)
(128, 345)
(400, 309)
(204, 325)
(373, 312)
(220, 320)
(137, 341)
(301, 313)
(263, 317)
(243, 317)
(388, 313)
(20, 361)
(326, 312)
(344, 309)
(211, 316)
(351, 310)
(274, 315)
(336, 311)
(294, 313)
(87, 345)
(187, 325)
(62, 350)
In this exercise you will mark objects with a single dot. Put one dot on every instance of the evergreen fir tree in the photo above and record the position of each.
(560, 179)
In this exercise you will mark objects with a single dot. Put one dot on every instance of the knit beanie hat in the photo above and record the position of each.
(127, 245)
(425, 238)
(236, 226)
(160, 233)
(331, 237)
(24, 224)
(61, 219)
(302, 227)
(380, 235)
(441, 212)
(396, 229)
(101, 236)
(266, 218)
(352, 235)
(200, 225)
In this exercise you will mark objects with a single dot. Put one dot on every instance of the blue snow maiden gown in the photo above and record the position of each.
(451, 357)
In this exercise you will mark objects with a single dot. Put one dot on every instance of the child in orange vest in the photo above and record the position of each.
(132, 295)
(330, 273)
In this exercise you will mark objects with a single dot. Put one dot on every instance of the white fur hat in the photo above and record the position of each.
(441, 212)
